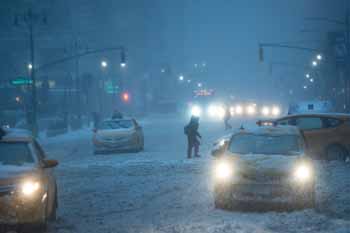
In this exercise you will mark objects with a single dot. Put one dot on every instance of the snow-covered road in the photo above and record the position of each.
(157, 190)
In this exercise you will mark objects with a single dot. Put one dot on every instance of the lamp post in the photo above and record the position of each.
(29, 20)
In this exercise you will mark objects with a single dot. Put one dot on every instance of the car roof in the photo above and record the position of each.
(119, 119)
(271, 130)
(16, 135)
(342, 116)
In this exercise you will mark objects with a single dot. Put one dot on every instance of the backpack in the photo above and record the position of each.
(186, 129)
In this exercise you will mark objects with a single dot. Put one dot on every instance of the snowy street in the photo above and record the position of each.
(157, 190)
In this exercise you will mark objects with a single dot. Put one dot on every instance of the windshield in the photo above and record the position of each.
(15, 153)
(265, 144)
(122, 124)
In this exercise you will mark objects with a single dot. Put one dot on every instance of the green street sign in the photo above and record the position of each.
(21, 81)
(110, 89)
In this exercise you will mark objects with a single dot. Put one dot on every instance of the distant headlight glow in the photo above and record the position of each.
(196, 111)
(276, 111)
(265, 111)
(232, 111)
(239, 110)
(251, 110)
(216, 111)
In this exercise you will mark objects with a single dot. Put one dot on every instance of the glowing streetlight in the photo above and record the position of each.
(314, 63)
(319, 57)
(311, 80)
(123, 65)
(199, 84)
(104, 64)
(30, 66)
(18, 99)
(305, 87)
(181, 78)
(307, 76)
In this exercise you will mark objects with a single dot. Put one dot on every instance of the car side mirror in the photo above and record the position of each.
(50, 163)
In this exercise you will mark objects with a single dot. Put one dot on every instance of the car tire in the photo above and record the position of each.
(222, 199)
(336, 152)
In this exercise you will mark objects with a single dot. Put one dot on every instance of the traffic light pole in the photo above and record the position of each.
(33, 115)
(277, 45)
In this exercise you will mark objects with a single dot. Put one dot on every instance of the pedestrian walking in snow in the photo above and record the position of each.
(227, 118)
(193, 136)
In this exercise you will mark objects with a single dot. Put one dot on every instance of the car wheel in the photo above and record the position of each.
(336, 152)
(222, 199)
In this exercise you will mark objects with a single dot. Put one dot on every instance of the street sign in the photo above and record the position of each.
(110, 88)
(21, 81)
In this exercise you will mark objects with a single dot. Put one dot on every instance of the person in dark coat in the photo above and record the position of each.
(96, 119)
(191, 130)
(227, 118)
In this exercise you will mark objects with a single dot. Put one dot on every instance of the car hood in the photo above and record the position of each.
(267, 164)
(9, 174)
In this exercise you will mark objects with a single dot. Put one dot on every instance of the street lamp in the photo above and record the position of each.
(199, 85)
(319, 57)
(307, 76)
(305, 87)
(181, 78)
(314, 63)
(104, 64)
(30, 66)
(311, 80)
(123, 65)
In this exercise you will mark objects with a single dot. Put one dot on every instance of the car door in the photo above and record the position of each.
(139, 131)
(317, 136)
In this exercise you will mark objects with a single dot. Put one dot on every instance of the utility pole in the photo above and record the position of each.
(29, 20)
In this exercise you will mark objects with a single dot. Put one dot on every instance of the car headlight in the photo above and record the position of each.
(223, 170)
(196, 111)
(239, 110)
(265, 111)
(221, 112)
(212, 110)
(276, 111)
(251, 110)
(29, 188)
(222, 142)
(303, 173)
(232, 111)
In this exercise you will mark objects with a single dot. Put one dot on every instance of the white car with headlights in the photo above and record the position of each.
(28, 191)
(263, 168)
(118, 135)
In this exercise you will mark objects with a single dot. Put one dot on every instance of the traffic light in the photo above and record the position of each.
(125, 97)
(261, 54)
(122, 58)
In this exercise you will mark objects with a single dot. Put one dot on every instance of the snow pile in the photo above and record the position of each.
(334, 189)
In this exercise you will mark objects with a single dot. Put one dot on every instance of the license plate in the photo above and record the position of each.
(259, 191)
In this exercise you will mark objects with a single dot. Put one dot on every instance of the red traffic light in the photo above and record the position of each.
(125, 96)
